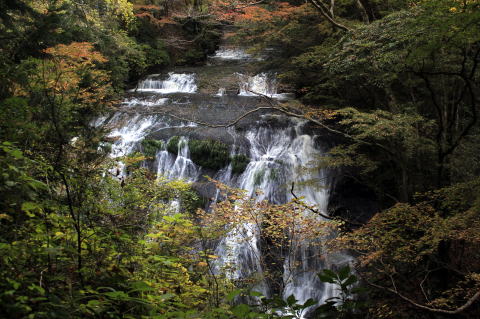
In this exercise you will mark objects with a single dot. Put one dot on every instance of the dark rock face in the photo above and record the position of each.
(352, 200)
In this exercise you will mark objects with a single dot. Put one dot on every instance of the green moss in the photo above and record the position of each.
(274, 174)
(172, 145)
(239, 163)
(209, 153)
(258, 177)
(151, 147)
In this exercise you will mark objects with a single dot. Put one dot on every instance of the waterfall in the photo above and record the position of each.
(260, 83)
(179, 166)
(174, 83)
(134, 130)
(280, 153)
(221, 92)
(280, 156)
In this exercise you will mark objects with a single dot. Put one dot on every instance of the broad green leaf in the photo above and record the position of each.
(324, 278)
(344, 272)
(291, 300)
(230, 296)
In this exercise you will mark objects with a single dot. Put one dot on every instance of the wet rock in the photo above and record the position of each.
(352, 200)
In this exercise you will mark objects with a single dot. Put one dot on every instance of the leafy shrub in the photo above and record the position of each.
(239, 163)
(209, 153)
(172, 145)
(151, 147)
(156, 53)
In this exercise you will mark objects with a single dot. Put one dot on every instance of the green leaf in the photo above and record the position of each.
(116, 295)
(141, 286)
(324, 278)
(350, 281)
(241, 310)
(255, 294)
(344, 272)
(29, 207)
(291, 300)
(230, 296)
(310, 302)
(330, 273)
(167, 296)
(17, 154)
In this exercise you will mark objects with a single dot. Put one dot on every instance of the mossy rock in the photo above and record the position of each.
(258, 177)
(151, 147)
(172, 145)
(239, 163)
(209, 153)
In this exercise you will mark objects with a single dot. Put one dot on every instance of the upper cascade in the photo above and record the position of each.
(260, 84)
(226, 53)
(175, 83)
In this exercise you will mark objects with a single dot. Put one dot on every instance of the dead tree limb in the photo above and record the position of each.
(460, 309)
(327, 13)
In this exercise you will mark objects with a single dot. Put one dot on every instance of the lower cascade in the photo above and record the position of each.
(279, 152)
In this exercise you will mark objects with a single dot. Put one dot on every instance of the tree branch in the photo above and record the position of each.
(328, 14)
(460, 309)
(274, 106)
(319, 213)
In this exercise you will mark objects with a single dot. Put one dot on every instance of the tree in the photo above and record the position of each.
(424, 253)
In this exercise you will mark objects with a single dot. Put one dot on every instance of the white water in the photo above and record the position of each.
(174, 83)
(278, 158)
(151, 101)
(221, 92)
(260, 84)
(231, 54)
(177, 167)
(133, 131)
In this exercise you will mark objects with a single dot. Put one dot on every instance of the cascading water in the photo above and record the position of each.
(279, 157)
(229, 54)
(134, 130)
(260, 84)
(174, 83)
(280, 153)
(177, 167)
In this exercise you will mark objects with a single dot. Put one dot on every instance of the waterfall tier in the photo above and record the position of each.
(229, 54)
(174, 83)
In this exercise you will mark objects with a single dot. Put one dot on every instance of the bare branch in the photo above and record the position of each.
(328, 14)
(460, 309)
(332, 6)
(275, 106)
(317, 212)
(363, 11)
